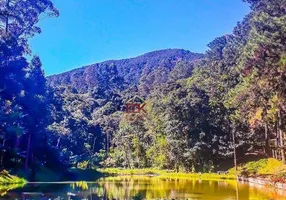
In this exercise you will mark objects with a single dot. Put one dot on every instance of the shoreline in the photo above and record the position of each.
(262, 181)
(168, 174)
(7, 179)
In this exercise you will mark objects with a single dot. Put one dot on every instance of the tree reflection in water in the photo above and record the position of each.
(140, 187)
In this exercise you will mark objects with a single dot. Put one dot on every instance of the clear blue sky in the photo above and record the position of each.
(90, 31)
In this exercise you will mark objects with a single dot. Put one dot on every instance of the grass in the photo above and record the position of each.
(270, 168)
(6, 178)
(262, 167)
(169, 174)
(119, 171)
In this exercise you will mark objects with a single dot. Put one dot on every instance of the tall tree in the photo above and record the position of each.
(22, 85)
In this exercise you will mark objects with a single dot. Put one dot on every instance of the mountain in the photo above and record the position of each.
(92, 98)
(146, 71)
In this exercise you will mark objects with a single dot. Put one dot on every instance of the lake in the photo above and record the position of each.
(140, 187)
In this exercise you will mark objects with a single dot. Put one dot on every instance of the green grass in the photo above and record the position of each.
(167, 174)
(202, 176)
(262, 167)
(118, 171)
(6, 178)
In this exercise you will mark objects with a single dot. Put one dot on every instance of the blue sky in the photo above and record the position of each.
(90, 31)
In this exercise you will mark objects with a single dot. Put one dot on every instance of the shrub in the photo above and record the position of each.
(82, 165)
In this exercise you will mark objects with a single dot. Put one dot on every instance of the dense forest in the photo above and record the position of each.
(201, 108)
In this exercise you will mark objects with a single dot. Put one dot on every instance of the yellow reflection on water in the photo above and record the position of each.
(5, 188)
(144, 187)
(80, 184)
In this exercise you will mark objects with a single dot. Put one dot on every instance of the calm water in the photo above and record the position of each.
(140, 188)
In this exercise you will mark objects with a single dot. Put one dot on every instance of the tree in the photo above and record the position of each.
(262, 78)
(19, 18)
(23, 85)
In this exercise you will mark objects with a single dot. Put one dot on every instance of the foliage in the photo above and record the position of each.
(25, 108)
(6, 178)
(273, 166)
(196, 103)
(82, 165)
(199, 106)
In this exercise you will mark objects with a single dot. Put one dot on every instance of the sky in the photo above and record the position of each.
(91, 31)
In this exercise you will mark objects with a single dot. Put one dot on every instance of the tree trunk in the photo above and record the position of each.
(17, 142)
(93, 146)
(276, 139)
(3, 152)
(28, 153)
(58, 142)
(234, 149)
(7, 17)
(281, 135)
(107, 143)
(266, 139)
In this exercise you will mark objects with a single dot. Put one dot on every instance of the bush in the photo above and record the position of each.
(6, 178)
(273, 166)
(82, 165)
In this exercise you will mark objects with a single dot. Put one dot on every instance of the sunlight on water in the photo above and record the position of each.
(141, 187)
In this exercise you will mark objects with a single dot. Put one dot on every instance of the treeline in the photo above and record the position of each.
(25, 100)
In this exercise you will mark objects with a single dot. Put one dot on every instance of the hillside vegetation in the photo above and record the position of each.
(197, 105)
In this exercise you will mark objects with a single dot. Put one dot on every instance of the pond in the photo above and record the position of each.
(140, 187)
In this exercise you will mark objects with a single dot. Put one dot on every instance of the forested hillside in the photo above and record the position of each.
(93, 97)
(144, 71)
(197, 106)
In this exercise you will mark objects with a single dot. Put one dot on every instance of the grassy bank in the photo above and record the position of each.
(261, 168)
(271, 168)
(167, 174)
(6, 178)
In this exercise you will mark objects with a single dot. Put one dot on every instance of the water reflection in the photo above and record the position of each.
(140, 187)
(83, 185)
(5, 188)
